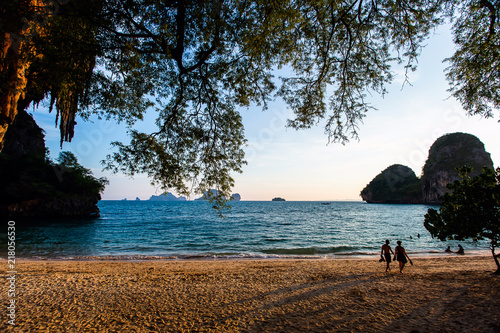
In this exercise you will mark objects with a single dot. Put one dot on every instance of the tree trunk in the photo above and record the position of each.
(495, 257)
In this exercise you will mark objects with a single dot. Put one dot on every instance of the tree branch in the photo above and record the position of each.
(493, 16)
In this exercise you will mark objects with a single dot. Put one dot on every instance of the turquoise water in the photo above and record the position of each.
(185, 230)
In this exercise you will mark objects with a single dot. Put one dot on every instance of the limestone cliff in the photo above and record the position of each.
(12, 66)
(449, 152)
(34, 63)
(399, 184)
(396, 184)
(25, 138)
(35, 187)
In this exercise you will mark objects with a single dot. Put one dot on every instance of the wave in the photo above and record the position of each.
(311, 250)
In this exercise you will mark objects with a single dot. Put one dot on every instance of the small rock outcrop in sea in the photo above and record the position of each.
(446, 154)
(278, 199)
(396, 184)
(166, 196)
(35, 187)
(399, 184)
(236, 197)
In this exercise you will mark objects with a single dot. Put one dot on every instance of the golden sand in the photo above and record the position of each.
(447, 294)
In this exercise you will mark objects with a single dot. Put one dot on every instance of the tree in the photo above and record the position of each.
(474, 73)
(196, 62)
(76, 178)
(471, 210)
(204, 60)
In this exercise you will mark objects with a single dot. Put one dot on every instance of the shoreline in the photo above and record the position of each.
(445, 294)
(237, 257)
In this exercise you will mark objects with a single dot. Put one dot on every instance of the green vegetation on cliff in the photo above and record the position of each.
(396, 184)
(33, 186)
(31, 178)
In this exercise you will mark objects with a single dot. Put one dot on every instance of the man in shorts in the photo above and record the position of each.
(385, 254)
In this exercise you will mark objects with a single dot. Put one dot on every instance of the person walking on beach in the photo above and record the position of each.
(401, 256)
(385, 254)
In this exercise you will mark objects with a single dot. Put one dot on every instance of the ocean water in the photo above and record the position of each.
(191, 229)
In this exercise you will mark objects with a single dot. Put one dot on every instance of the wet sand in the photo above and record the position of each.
(446, 294)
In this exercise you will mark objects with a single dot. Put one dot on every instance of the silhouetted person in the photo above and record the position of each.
(385, 254)
(460, 249)
(448, 249)
(401, 256)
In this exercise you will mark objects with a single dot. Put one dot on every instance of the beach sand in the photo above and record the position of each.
(446, 294)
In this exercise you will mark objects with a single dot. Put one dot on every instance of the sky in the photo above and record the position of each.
(301, 165)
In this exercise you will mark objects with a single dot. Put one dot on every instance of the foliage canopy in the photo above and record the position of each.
(196, 62)
(35, 177)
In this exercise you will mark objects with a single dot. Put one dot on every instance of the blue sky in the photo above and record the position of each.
(300, 165)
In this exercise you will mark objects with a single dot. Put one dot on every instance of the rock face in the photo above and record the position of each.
(208, 194)
(212, 194)
(71, 206)
(399, 184)
(396, 184)
(26, 138)
(33, 187)
(13, 68)
(449, 152)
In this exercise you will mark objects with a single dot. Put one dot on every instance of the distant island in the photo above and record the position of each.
(278, 199)
(136, 199)
(214, 194)
(399, 184)
(166, 196)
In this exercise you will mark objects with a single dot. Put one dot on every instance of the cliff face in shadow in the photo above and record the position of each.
(399, 184)
(396, 184)
(35, 187)
(448, 153)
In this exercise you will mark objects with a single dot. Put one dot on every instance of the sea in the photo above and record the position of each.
(149, 230)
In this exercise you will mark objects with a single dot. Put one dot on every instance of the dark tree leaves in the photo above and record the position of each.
(474, 71)
(471, 210)
(199, 61)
